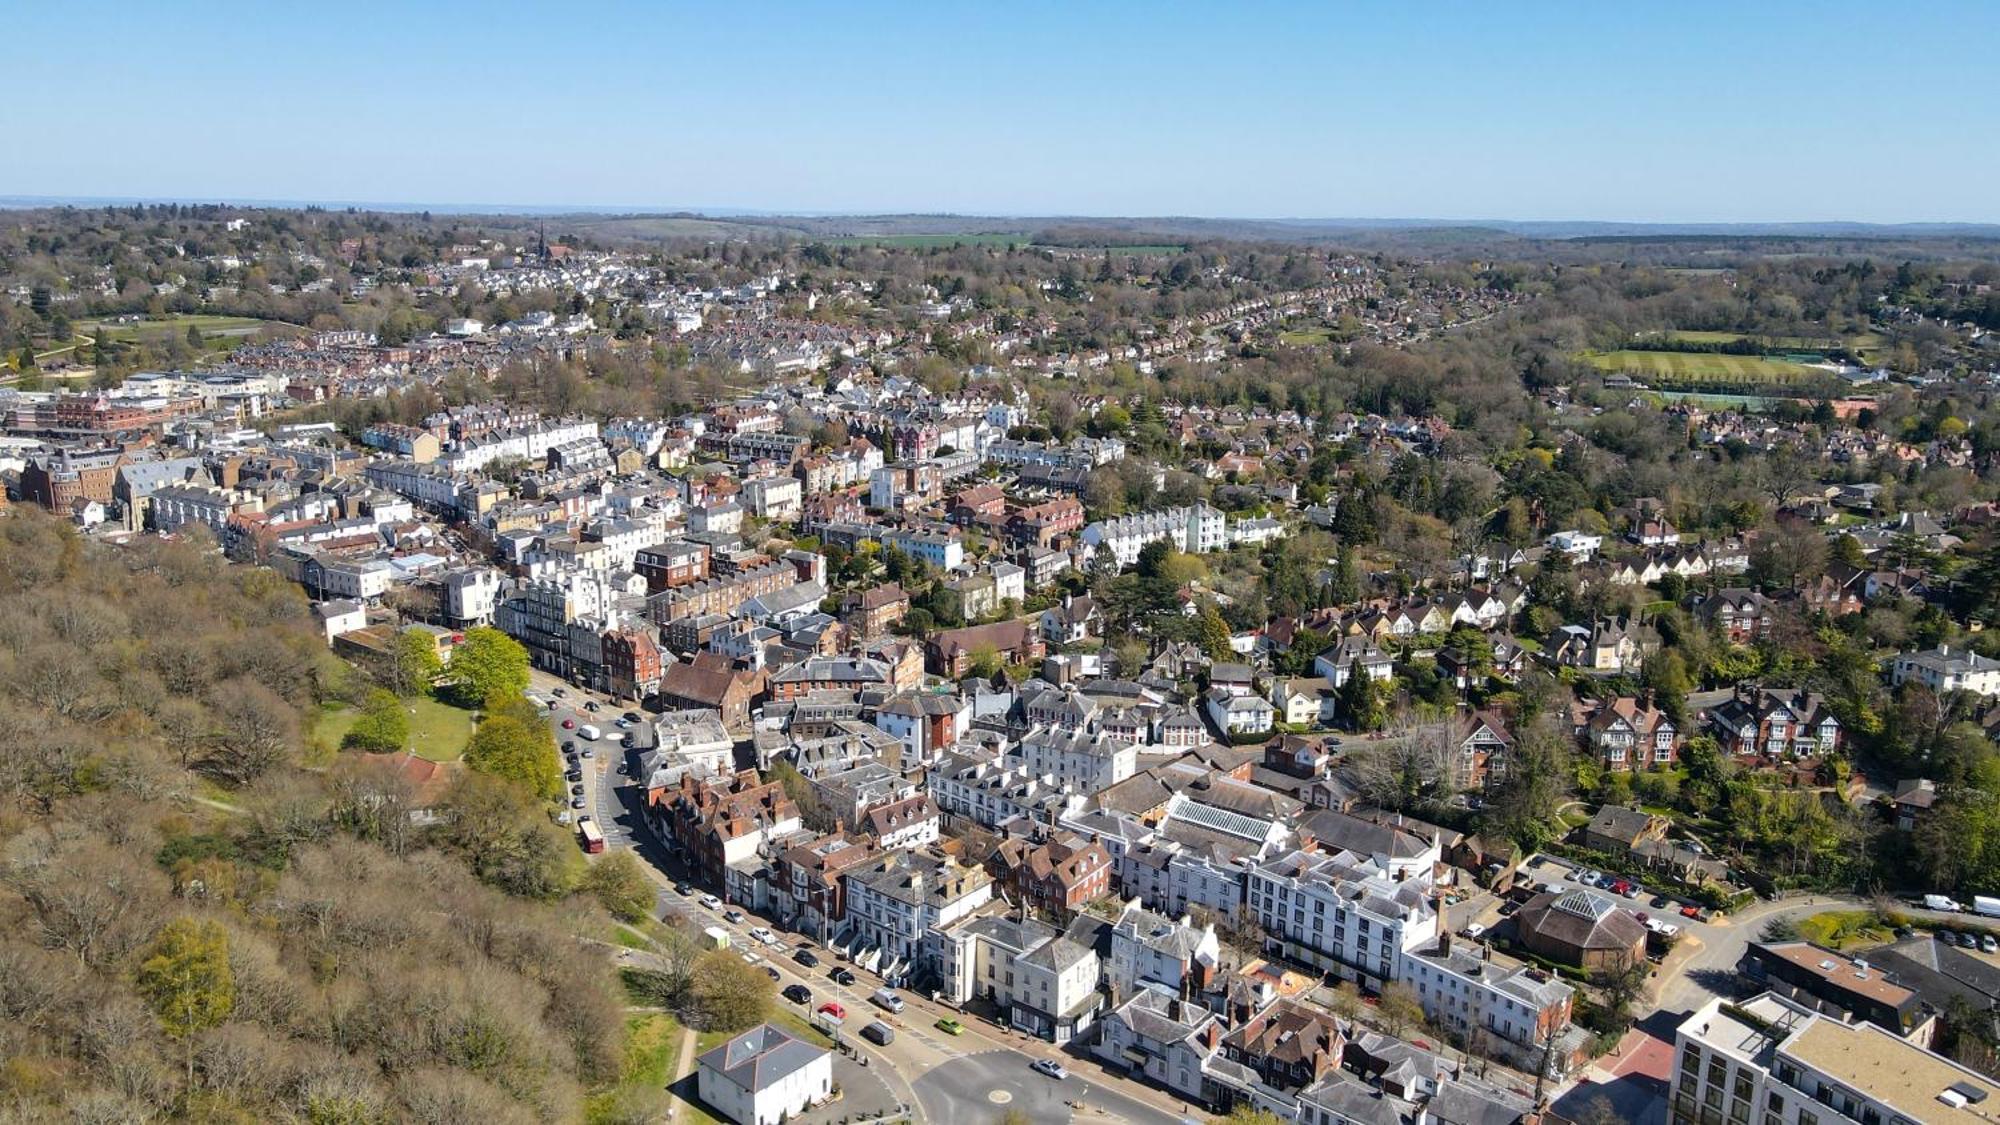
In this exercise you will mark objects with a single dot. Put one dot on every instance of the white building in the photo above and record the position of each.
(1078, 761)
(895, 904)
(1944, 669)
(1046, 983)
(1195, 530)
(1150, 950)
(471, 595)
(944, 550)
(763, 1076)
(1578, 545)
(1341, 912)
(1769, 1061)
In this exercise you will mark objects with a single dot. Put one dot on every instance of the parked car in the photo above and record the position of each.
(805, 957)
(591, 707)
(557, 692)
(684, 888)
(733, 915)
(887, 998)
(1989, 944)
(763, 934)
(1661, 902)
(833, 1010)
(1049, 1067)
(569, 724)
(879, 1033)
(772, 973)
(842, 976)
(1967, 941)
(569, 746)
(710, 901)
(633, 717)
(1690, 911)
(577, 801)
(950, 1026)
(1474, 930)
(799, 994)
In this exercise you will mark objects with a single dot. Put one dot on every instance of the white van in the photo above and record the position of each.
(590, 732)
(887, 998)
(1987, 905)
(1943, 903)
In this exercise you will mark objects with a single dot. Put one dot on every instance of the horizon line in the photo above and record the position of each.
(729, 213)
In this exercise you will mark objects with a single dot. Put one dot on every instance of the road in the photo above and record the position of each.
(971, 1077)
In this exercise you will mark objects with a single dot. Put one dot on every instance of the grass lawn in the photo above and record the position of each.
(153, 331)
(652, 1048)
(1841, 930)
(1305, 337)
(438, 731)
(1704, 367)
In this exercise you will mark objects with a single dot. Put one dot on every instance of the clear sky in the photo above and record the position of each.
(1689, 111)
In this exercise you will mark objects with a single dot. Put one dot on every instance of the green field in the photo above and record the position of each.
(1305, 337)
(929, 241)
(438, 731)
(157, 331)
(1670, 368)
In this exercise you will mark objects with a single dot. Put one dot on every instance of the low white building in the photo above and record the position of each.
(763, 1076)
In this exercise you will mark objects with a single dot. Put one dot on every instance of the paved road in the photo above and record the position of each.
(980, 1087)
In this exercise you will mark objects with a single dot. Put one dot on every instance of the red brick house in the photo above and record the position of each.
(711, 683)
(1017, 642)
(1055, 878)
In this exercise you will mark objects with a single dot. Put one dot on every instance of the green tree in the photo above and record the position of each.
(1212, 632)
(489, 665)
(414, 664)
(1360, 701)
(1243, 1113)
(186, 979)
(384, 726)
(513, 742)
(728, 995)
(620, 886)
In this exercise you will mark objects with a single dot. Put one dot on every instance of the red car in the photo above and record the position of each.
(1690, 911)
(834, 1010)
(1622, 886)
(569, 724)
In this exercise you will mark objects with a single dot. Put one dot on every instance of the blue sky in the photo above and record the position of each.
(1677, 112)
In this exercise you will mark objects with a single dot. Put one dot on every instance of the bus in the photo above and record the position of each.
(592, 839)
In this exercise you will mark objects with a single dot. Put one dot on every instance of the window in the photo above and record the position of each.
(1743, 1084)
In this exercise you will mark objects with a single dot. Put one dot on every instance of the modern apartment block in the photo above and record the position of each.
(1769, 1061)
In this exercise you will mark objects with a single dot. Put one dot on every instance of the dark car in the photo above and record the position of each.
(557, 692)
(576, 790)
(772, 973)
(1660, 902)
(805, 957)
(569, 745)
(684, 888)
(842, 976)
(799, 994)
(574, 775)
(1967, 940)
(633, 717)
(591, 707)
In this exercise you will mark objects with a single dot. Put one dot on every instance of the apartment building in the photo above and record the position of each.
(1769, 1061)
(1196, 529)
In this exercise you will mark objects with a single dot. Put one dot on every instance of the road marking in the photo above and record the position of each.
(999, 1097)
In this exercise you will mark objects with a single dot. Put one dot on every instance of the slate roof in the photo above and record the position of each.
(760, 1057)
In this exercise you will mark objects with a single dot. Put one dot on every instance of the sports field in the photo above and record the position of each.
(1704, 367)
(155, 331)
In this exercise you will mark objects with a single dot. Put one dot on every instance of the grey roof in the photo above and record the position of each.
(760, 1057)
(1346, 832)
